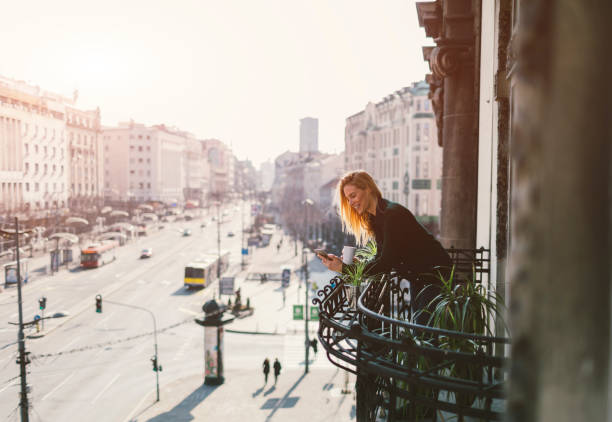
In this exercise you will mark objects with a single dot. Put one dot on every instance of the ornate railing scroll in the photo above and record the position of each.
(405, 369)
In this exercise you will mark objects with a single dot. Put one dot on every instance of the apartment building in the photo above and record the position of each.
(395, 140)
(150, 163)
(34, 169)
(85, 157)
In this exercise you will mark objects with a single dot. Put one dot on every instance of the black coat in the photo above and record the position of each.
(403, 243)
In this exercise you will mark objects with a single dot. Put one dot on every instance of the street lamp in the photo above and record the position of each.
(307, 202)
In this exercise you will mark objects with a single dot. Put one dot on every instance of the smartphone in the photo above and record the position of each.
(322, 252)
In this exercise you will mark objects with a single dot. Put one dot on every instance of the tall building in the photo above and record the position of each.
(395, 140)
(309, 135)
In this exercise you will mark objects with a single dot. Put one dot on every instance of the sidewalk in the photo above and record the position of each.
(271, 315)
(297, 397)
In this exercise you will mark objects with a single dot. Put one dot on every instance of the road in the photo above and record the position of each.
(98, 364)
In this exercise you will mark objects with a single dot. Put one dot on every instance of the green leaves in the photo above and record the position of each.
(354, 274)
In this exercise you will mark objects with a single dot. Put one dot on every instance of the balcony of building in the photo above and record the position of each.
(407, 371)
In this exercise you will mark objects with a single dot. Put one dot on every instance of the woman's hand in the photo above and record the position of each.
(332, 262)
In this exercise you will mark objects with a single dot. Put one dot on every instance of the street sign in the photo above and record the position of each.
(245, 251)
(314, 313)
(298, 312)
(226, 285)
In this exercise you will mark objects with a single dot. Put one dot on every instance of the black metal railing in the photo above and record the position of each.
(407, 371)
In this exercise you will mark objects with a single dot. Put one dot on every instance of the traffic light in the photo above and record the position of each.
(99, 304)
(42, 303)
(156, 367)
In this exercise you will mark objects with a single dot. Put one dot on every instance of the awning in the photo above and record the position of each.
(66, 236)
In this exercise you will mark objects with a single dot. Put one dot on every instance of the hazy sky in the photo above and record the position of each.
(243, 71)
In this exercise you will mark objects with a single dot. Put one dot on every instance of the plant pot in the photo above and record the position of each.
(352, 294)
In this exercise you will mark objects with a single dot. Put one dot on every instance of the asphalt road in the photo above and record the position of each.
(87, 364)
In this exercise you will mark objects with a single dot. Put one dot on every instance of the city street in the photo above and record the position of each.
(98, 364)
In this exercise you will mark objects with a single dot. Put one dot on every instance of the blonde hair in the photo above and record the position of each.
(353, 222)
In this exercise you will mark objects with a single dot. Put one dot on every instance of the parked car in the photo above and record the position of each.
(187, 232)
(230, 234)
(146, 253)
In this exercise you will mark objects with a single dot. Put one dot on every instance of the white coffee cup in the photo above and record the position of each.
(348, 252)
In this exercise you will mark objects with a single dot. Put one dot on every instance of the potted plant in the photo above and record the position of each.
(354, 275)
(463, 305)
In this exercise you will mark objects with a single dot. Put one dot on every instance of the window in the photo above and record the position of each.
(418, 105)
(36, 187)
(140, 148)
(27, 167)
(25, 146)
(131, 171)
(417, 167)
(418, 132)
(27, 186)
(149, 160)
(141, 185)
(45, 169)
(131, 147)
(148, 147)
(395, 185)
(426, 105)
(140, 137)
(140, 160)
(35, 168)
(45, 150)
(148, 185)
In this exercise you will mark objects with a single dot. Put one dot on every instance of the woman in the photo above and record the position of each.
(402, 243)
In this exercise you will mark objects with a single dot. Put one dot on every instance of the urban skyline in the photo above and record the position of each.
(194, 77)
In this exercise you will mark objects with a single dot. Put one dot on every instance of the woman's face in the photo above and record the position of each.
(357, 198)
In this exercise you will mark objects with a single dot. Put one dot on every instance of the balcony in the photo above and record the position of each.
(406, 370)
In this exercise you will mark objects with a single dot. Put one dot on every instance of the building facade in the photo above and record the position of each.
(152, 163)
(85, 157)
(221, 166)
(395, 140)
(34, 164)
(521, 93)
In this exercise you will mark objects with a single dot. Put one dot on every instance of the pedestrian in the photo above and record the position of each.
(402, 243)
(277, 369)
(266, 369)
(313, 344)
(278, 245)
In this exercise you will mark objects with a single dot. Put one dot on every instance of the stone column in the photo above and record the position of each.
(561, 213)
(453, 91)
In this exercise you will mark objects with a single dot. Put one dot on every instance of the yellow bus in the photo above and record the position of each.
(203, 271)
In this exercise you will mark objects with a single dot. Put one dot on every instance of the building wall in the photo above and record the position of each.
(85, 155)
(151, 163)
(34, 172)
(395, 141)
